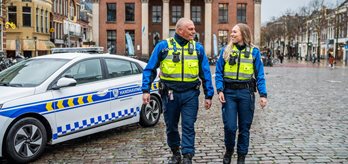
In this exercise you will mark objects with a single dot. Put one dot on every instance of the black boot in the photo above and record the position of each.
(176, 158)
(227, 157)
(187, 159)
(241, 159)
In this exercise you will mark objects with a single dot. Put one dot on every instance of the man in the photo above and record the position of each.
(181, 61)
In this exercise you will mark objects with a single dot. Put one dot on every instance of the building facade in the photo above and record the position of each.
(28, 30)
(149, 21)
(3, 18)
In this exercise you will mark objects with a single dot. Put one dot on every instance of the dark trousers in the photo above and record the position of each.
(186, 105)
(240, 105)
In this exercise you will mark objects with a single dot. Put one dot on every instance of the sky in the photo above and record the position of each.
(276, 8)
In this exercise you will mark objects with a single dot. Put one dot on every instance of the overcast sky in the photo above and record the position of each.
(276, 8)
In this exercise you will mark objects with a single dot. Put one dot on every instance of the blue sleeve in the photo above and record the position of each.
(219, 72)
(259, 73)
(150, 71)
(204, 72)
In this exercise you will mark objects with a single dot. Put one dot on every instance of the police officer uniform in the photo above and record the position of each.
(238, 77)
(182, 63)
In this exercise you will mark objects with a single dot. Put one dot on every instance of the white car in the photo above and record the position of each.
(58, 97)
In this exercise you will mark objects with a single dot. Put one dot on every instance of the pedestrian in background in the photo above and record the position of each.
(239, 71)
(182, 62)
(331, 61)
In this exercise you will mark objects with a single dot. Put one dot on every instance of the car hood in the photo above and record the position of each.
(11, 93)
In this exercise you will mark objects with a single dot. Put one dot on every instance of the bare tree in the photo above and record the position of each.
(318, 20)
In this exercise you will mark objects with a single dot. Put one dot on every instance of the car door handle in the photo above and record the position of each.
(102, 93)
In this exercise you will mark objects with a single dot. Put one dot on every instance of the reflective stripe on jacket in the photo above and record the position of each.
(186, 69)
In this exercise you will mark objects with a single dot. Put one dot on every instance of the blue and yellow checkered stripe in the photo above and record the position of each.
(61, 130)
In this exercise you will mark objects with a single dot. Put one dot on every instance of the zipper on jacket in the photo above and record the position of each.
(182, 59)
(238, 64)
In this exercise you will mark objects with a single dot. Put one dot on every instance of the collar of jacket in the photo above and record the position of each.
(180, 40)
(240, 47)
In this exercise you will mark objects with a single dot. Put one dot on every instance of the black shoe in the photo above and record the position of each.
(176, 158)
(227, 157)
(241, 159)
(187, 159)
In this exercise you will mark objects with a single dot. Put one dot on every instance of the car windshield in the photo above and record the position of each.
(30, 73)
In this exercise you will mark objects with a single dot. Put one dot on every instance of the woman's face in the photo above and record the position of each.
(236, 36)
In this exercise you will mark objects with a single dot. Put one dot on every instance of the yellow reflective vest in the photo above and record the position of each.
(186, 69)
(244, 67)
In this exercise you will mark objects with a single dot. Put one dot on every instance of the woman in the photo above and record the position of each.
(239, 71)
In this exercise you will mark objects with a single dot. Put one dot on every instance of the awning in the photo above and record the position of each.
(45, 45)
(10, 45)
(28, 45)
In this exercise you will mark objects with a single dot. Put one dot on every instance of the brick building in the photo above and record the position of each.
(148, 21)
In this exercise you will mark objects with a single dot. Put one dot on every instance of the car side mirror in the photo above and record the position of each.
(64, 82)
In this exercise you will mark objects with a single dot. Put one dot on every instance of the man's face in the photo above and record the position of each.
(236, 35)
(187, 31)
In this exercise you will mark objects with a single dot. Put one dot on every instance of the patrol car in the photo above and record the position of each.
(58, 97)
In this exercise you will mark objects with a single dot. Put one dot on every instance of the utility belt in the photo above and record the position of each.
(242, 85)
(163, 88)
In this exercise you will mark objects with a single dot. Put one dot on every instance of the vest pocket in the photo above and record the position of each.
(193, 68)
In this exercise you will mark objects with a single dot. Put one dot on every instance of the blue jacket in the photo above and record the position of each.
(160, 52)
(259, 73)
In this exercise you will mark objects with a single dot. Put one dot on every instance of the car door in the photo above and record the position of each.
(126, 95)
(86, 105)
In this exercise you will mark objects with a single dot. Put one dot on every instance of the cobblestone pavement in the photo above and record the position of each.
(306, 121)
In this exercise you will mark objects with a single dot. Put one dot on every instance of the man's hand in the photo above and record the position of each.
(263, 102)
(222, 97)
(146, 98)
(207, 104)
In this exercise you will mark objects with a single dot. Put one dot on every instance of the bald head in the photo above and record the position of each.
(185, 28)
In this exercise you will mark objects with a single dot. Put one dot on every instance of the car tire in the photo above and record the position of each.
(150, 113)
(26, 140)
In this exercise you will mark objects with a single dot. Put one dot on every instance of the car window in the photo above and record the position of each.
(85, 71)
(135, 69)
(30, 73)
(118, 68)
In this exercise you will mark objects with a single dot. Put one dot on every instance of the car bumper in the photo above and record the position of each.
(4, 122)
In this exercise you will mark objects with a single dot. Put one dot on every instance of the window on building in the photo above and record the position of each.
(12, 14)
(46, 20)
(223, 13)
(72, 10)
(196, 14)
(66, 8)
(37, 19)
(42, 21)
(1, 8)
(176, 13)
(222, 38)
(111, 41)
(111, 12)
(26, 16)
(131, 33)
(130, 12)
(241, 12)
(156, 14)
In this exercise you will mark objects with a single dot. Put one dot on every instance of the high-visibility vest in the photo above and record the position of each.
(244, 67)
(186, 69)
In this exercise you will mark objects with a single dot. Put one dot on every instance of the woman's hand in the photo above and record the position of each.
(222, 97)
(263, 102)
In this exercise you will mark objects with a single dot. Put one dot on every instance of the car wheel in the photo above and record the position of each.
(151, 112)
(26, 140)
